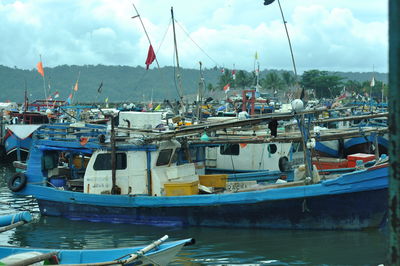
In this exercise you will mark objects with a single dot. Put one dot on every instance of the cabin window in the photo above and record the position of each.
(164, 157)
(272, 148)
(103, 161)
(229, 149)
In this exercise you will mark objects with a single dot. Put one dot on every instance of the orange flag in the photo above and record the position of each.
(40, 68)
(76, 86)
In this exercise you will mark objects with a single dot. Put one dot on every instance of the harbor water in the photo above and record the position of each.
(214, 246)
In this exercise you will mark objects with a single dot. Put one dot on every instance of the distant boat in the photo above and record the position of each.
(150, 185)
(157, 253)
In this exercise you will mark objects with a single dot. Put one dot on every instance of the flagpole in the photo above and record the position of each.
(145, 31)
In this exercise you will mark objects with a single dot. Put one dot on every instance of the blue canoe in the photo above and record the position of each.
(160, 254)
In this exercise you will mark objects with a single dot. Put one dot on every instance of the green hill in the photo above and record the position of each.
(120, 83)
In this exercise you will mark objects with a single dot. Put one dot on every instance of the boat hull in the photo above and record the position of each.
(161, 255)
(350, 211)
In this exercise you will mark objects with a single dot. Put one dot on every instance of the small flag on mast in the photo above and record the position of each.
(76, 86)
(151, 56)
(234, 74)
(100, 87)
(226, 88)
(69, 99)
(40, 68)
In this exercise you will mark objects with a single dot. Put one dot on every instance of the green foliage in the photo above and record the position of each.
(289, 79)
(225, 78)
(134, 84)
(323, 84)
(272, 81)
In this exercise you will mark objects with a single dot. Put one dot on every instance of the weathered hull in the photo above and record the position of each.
(349, 211)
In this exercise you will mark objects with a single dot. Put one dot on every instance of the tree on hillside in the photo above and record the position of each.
(272, 81)
(323, 84)
(225, 78)
(243, 79)
(376, 90)
(289, 79)
(353, 86)
(210, 87)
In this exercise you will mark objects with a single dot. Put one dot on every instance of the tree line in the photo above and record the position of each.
(134, 84)
(322, 84)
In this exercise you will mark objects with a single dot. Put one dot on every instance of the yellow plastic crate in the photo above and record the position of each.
(213, 180)
(181, 189)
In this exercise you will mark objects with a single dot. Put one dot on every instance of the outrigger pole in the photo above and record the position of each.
(145, 31)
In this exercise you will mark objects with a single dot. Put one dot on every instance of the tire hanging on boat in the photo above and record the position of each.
(17, 182)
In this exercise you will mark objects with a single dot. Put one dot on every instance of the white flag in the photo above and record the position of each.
(373, 82)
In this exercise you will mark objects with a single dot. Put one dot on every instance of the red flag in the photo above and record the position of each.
(233, 74)
(40, 68)
(150, 56)
(226, 88)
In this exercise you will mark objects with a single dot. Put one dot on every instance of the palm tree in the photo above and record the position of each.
(289, 79)
(272, 81)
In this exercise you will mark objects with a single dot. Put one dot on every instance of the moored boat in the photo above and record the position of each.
(159, 252)
(145, 183)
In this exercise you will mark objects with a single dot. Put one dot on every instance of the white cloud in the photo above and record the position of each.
(331, 35)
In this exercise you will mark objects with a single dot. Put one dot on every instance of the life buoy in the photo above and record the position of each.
(284, 164)
(17, 182)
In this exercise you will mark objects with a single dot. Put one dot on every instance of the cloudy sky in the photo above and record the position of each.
(339, 35)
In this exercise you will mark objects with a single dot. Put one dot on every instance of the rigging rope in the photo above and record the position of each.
(198, 46)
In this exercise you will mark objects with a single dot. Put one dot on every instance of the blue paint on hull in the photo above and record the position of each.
(353, 201)
(82, 256)
(351, 211)
(12, 144)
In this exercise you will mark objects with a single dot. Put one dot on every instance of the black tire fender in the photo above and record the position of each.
(284, 164)
(17, 182)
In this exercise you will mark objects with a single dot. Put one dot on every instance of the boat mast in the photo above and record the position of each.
(145, 31)
(178, 76)
(115, 189)
(200, 94)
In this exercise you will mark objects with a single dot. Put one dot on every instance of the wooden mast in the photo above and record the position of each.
(178, 75)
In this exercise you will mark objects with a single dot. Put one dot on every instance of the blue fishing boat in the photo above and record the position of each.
(157, 253)
(146, 184)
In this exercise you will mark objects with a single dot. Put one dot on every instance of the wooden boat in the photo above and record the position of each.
(157, 253)
(147, 183)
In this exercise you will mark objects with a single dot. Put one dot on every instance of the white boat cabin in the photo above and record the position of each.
(138, 171)
(263, 156)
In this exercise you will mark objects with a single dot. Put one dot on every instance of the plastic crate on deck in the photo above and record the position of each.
(353, 158)
(181, 188)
